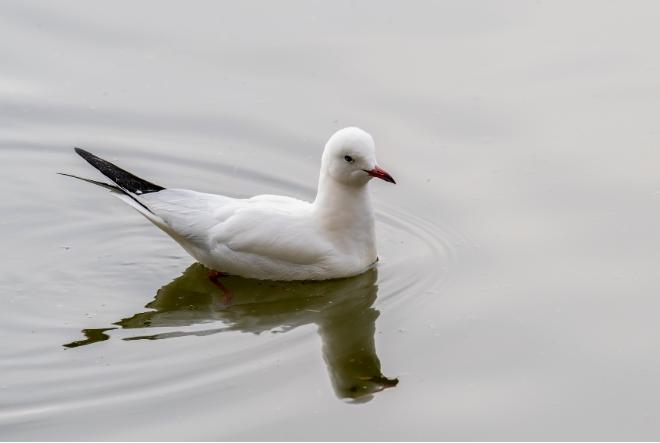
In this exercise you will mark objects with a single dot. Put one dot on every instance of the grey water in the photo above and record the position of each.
(517, 293)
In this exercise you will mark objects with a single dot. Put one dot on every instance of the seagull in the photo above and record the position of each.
(269, 237)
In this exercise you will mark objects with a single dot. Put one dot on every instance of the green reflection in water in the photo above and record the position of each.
(342, 309)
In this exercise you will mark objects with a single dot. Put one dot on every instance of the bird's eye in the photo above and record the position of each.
(348, 158)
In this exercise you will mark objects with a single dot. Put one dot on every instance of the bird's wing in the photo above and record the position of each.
(277, 228)
(188, 214)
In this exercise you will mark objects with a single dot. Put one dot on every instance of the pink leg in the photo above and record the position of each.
(215, 276)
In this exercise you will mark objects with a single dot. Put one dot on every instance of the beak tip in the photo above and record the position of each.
(382, 174)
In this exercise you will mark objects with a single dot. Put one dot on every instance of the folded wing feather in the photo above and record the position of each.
(273, 227)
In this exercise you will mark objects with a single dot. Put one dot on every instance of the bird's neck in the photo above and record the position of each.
(345, 214)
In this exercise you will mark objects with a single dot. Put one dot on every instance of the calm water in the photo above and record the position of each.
(517, 293)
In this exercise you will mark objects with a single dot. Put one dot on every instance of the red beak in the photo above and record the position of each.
(381, 174)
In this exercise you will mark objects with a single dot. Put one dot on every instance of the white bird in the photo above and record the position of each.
(270, 237)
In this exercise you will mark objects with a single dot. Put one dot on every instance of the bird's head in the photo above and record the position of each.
(350, 158)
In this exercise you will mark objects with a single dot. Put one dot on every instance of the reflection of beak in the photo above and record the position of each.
(380, 173)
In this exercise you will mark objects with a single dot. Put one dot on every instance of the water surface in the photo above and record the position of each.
(516, 293)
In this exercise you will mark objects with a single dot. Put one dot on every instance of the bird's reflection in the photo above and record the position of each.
(342, 309)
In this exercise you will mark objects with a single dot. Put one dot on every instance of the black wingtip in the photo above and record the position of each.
(95, 182)
(85, 154)
(122, 178)
(108, 186)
